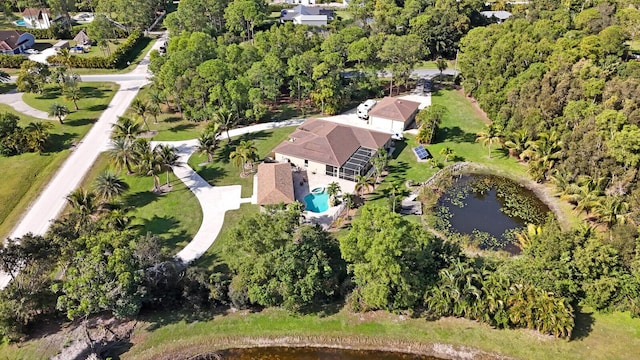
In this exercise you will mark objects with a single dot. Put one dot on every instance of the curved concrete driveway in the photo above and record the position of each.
(214, 200)
(14, 99)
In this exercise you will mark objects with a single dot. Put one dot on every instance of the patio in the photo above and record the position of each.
(304, 182)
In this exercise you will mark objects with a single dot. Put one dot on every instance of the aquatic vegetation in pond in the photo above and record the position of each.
(487, 210)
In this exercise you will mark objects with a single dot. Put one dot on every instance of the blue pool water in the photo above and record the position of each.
(20, 23)
(317, 203)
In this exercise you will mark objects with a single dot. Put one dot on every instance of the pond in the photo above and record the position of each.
(309, 353)
(490, 209)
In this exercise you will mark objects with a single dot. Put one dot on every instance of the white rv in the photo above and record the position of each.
(363, 109)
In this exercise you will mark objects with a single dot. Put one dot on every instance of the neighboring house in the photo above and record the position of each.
(499, 16)
(302, 2)
(333, 149)
(305, 15)
(393, 115)
(15, 41)
(37, 18)
(275, 184)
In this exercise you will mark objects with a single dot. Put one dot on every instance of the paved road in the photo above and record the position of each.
(52, 200)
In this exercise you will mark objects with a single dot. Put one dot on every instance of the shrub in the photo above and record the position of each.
(11, 61)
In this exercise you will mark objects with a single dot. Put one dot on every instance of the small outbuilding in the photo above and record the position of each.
(275, 184)
(393, 115)
(82, 39)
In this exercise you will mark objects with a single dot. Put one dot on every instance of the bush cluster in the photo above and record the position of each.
(117, 59)
(11, 61)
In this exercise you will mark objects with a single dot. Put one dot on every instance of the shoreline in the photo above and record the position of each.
(439, 350)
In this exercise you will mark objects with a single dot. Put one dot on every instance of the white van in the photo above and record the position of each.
(363, 109)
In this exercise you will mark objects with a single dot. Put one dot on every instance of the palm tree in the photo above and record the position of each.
(518, 142)
(333, 189)
(154, 110)
(612, 210)
(226, 119)
(38, 134)
(150, 164)
(395, 191)
(126, 128)
(441, 64)
(140, 108)
(488, 137)
(245, 153)
(349, 201)
(544, 152)
(363, 184)
(66, 58)
(168, 158)
(58, 110)
(155, 97)
(380, 162)
(123, 154)
(109, 186)
(207, 144)
(72, 93)
(447, 152)
(83, 202)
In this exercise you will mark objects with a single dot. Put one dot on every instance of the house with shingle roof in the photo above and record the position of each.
(37, 18)
(275, 184)
(15, 41)
(307, 15)
(333, 149)
(393, 114)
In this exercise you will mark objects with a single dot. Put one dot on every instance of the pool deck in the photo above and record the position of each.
(304, 182)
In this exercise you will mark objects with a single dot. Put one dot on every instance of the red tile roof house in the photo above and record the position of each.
(15, 41)
(393, 114)
(330, 148)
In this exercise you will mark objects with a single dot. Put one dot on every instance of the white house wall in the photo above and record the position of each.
(312, 167)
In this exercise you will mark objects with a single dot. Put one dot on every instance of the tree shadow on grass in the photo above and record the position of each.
(140, 199)
(49, 93)
(455, 134)
(182, 127)
(91, 92)
(59, 142)
(99, 107)
(583, 325)
(79, 122)
(399, 145)
(211, 173)
(167, 225)
(397, 171)
(172, 119)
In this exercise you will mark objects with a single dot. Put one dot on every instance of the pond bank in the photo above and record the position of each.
(541, 191)
(437, 350)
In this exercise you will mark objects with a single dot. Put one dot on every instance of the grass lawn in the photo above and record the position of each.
(97, 50)
(216, 257)
(30, 172)
(138, 53)
(175, 216)
(221, 172)
(610, 336)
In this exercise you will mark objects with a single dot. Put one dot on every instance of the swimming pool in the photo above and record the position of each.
(20, 23)
(317, 203)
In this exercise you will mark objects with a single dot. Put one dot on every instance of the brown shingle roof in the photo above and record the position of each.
(275, 184)
(395, 109)
(9, 39)
(35, 13)
(327, 142)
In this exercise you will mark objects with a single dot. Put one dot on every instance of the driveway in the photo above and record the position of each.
(14, 99)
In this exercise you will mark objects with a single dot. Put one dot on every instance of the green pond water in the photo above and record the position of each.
(489, 209)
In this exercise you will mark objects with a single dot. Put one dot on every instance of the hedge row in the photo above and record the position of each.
(62, 33)
(11, 61)
(117, 59)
